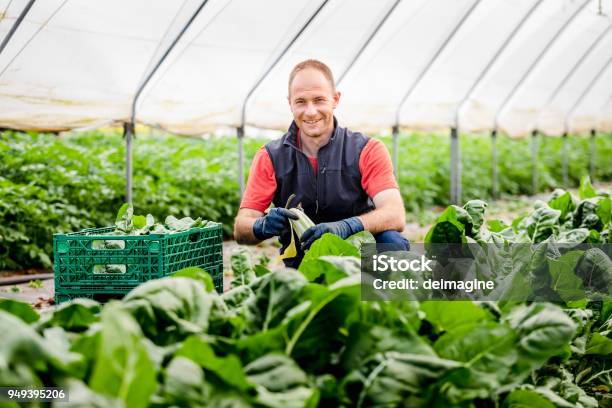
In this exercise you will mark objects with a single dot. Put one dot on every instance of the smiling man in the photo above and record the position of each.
(343, 179)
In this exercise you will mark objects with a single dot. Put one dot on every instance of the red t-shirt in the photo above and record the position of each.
(374, 164)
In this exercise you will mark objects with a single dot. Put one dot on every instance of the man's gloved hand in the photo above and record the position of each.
(273, 223)
(344, 229)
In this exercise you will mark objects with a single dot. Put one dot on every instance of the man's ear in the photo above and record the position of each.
(336, 99)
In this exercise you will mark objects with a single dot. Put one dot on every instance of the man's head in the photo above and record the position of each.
(313, 98)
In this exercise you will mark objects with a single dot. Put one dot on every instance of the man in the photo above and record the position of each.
(343, 180)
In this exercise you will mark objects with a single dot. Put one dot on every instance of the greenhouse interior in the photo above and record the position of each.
(299, 204)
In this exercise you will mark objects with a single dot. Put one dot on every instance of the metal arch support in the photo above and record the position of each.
(128, 128)
(128, 133)
(280, 56)
(433, 59)
(537, 60)
(592, 154)
(16, 25)
(577, 65)
(534, 162)
(395, 152)
(586, 92)
(492, 61)
(455, 167)
(494, 184)
(163, 58)
(564, 160)
(367, 42)
(240, 134)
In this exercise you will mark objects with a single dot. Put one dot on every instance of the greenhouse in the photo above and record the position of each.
(329, 203)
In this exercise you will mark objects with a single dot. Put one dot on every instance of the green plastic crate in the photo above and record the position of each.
(64, 295)
(81, 268)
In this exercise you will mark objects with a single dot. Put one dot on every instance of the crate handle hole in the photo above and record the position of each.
(109, 269)
(195, 237)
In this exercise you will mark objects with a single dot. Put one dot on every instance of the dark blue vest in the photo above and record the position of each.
(334, 192)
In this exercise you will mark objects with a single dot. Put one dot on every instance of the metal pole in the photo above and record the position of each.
(564, 161)
(367, 42)
(592, 154)
(455, 168)
(16, 25)
(534, 162)
(128, 132)
(537, 60)
(395, 151)
(494, 188)
(240, 133)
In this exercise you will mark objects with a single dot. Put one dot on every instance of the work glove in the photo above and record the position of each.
(344, 229)
(273, 223)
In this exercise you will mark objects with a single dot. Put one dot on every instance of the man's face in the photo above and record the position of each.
(312, 101)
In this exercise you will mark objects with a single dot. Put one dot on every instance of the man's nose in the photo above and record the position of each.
(310, 109)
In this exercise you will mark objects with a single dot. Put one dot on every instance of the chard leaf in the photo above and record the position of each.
(330, 268)
(228, 369)
(564, 279)
(197, 274)
(169, 309)
(599, 345)
(24, 311)
(242, 266)
(526, 399)
(330, 244)
(476, 209)
(586, 190)
(122, 367)
(562, 200)
(445, 318)
(184, 383)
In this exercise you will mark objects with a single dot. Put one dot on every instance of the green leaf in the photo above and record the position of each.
(363, 237)
(242, 266)
(170, 309)
(330, 244)
(22, 310)
(448, 227)
(599, 345)
(496, 225)
(446, 316)
(76, 315)
(476, 209)
(595, 270)
(526, 399)
(332, 268)
(122, 367)
(281, 383)
(564, 279)
(228, 369)
(543, 330)
(604, 210)
(184, 383)
(563, 202)
(586, 190)
(197, 274)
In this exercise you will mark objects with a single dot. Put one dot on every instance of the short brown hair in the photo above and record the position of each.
(315, 64)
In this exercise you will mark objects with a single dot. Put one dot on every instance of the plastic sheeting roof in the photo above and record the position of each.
(511, 65)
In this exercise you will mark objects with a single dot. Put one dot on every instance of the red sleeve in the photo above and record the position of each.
(261, 185)
(376, 168)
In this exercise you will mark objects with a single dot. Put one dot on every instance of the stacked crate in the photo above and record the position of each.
(84, 268)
